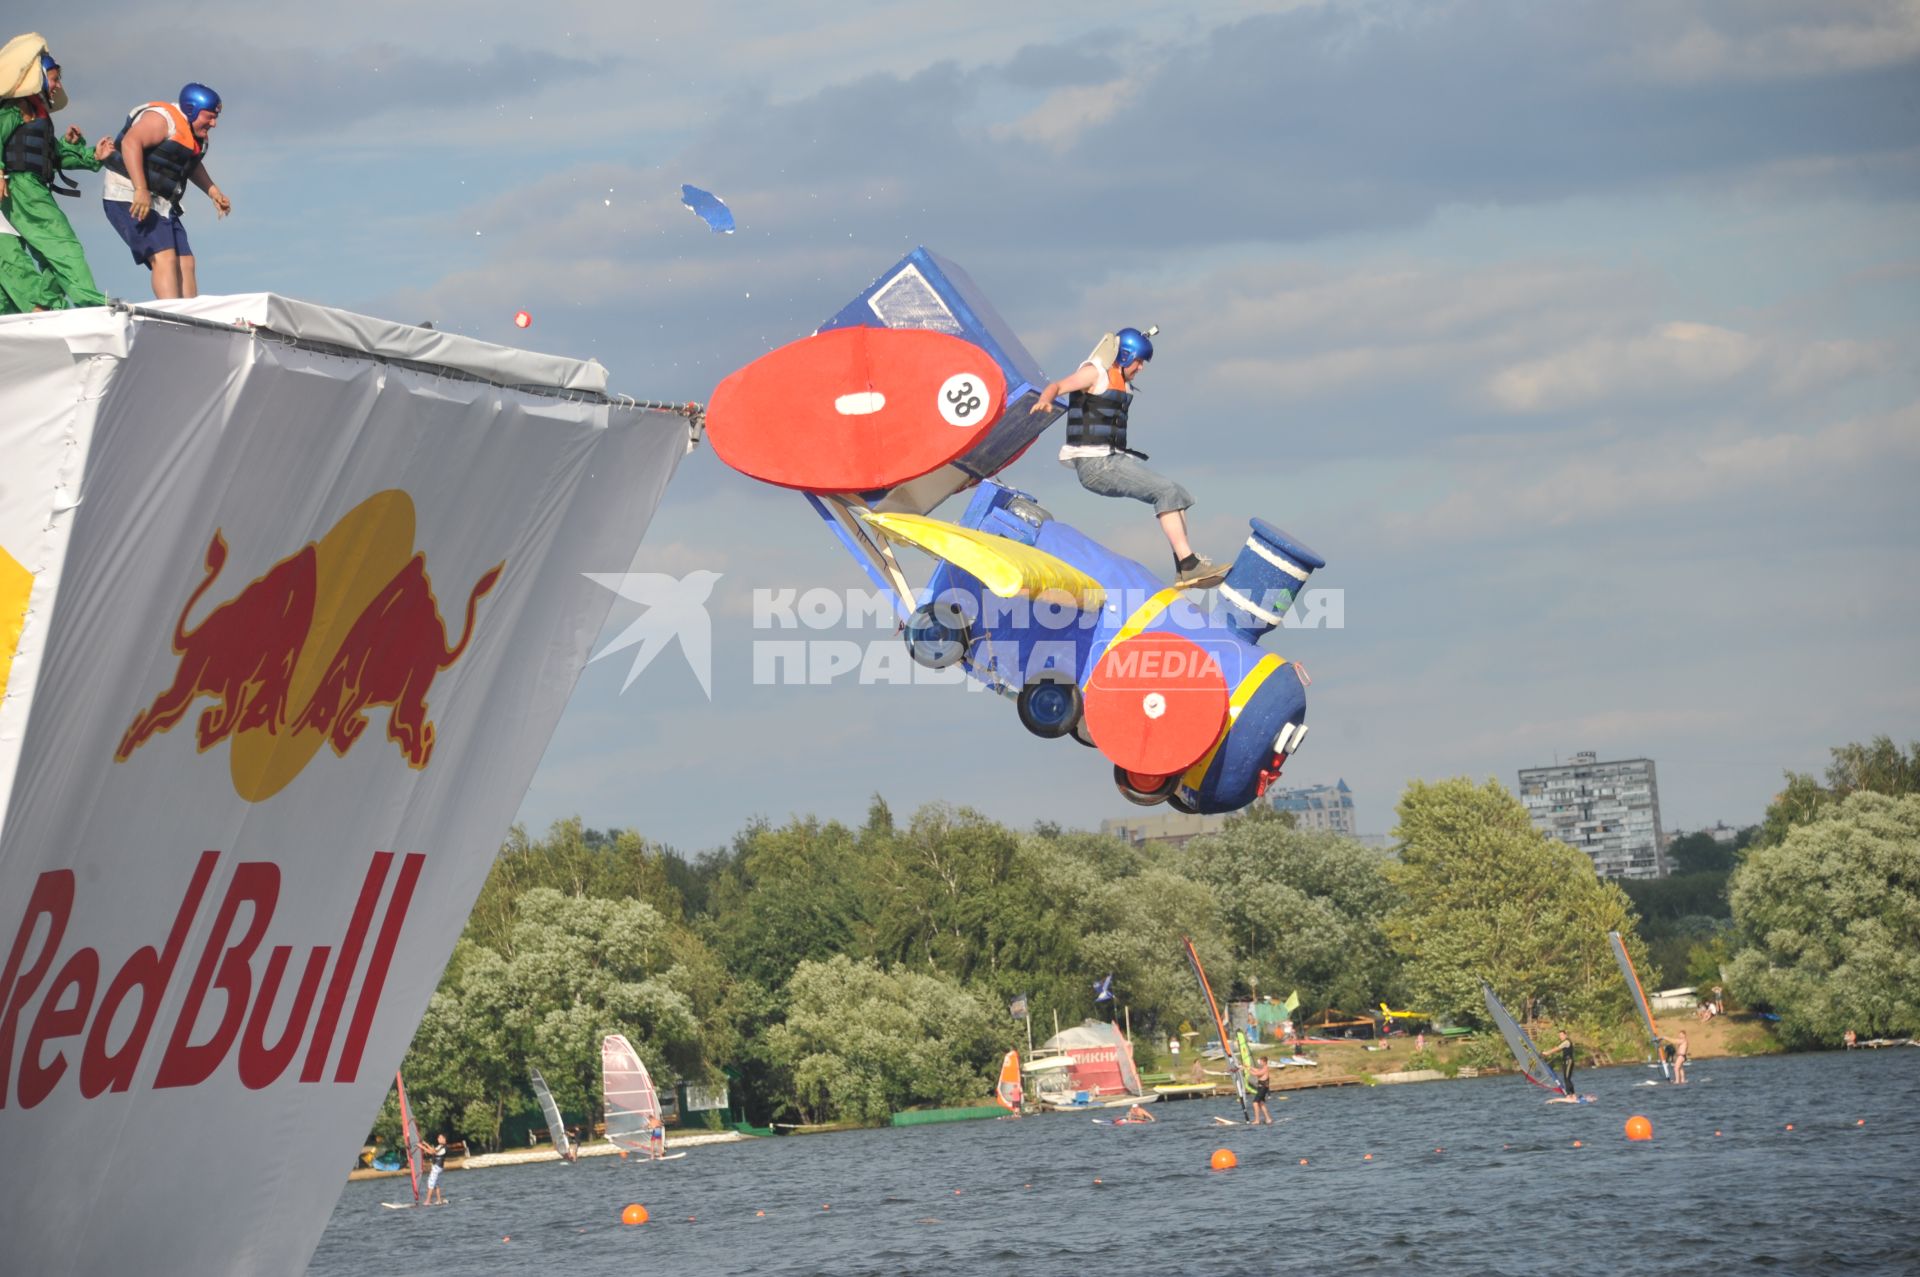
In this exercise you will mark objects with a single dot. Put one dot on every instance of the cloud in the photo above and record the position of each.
(1675, 359)
(1607, 478)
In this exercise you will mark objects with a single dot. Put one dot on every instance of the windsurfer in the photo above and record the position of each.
(656, 1137)
(1262, 1080)
(1680, 1058)
(1138, 1114)
(1099, 394)
(436, 1154)
(1565, 1052)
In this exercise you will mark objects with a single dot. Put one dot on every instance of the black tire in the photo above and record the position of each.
(1082, 734)
(934, 642)
(1179, 804)
(1049, 707)
(1143, 797)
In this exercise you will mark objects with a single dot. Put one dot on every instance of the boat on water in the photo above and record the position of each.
(556, 1125)
(1532, 1063)
(1239, 1075)
(632, 1103)
(410, 1139)
(1639, 997)
(1087, 1066)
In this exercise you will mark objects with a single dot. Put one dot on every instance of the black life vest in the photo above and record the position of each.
(30, 149)
(170, 165)
(1097, 418)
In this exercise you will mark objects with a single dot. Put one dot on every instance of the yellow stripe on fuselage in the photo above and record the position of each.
(1259, 674)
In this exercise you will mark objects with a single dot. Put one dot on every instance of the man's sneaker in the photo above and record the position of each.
(1202, 569)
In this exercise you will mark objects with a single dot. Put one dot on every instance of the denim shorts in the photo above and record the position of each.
(1120, 475)
(151, 234)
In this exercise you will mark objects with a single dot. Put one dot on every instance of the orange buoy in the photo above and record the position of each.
(1367, 1158)
(1859, 1121)
(623, 1154)
(1789, 1125)
(1639, 1128)
(635, 1213)
(506, 1239)
(1224, 1160)
(1303, 1161)
(1716, 1134)
(759, 1214)
(1578, 1144)
(521, 319)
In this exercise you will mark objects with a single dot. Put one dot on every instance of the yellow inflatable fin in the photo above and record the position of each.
(1005, 567)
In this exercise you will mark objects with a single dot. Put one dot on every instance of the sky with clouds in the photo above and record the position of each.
(1580, 338)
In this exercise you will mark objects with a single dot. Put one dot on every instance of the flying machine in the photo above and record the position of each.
(916, 391)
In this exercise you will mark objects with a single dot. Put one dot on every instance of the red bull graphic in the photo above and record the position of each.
(347, 624)
(64, 1020)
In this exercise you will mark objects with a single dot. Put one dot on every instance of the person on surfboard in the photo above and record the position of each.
(1099, 394)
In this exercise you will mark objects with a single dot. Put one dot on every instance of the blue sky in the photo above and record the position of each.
(1578, 337)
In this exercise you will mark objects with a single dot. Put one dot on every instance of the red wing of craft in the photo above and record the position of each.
(856, 409)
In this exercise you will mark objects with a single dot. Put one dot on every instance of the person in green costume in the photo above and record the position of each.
(42, 266)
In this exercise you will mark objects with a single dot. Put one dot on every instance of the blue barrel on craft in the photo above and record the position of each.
(1272, 720)
(1272, 568)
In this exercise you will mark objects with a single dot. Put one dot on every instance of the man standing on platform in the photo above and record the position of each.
(161, 149)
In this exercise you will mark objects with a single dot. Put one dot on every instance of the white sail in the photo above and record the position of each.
(556, 1128)
(631, 1101)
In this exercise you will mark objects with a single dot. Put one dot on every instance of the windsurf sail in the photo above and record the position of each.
(1525, 1053)
(1009, 1092)
(555, 1126)
(1220, 1025)
(631, 1101)
(410, 1134)
(1639, 997)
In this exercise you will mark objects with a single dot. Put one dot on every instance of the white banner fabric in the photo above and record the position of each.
(300, 626)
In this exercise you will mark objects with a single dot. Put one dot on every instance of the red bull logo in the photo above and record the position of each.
(297, 658)
(64, 1016)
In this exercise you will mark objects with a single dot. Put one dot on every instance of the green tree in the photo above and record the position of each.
(1878, 767)
(860, 1043)
(789, 895)
(1302, 909)
(1830, 921)
(1487, 896)
(574, 969)
(1700, 852)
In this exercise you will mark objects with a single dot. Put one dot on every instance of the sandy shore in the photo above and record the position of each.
(545, 1153)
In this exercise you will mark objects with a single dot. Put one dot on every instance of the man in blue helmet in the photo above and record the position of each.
(1099, 395)
(42, 266)
(161, 149)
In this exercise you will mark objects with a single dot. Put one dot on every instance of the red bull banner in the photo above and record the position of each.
(286, 623)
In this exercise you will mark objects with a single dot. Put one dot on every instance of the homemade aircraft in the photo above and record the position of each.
(917, 390)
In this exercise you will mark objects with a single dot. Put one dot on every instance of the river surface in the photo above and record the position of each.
(1469, 1177)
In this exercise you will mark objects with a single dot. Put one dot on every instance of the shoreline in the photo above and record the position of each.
(547, 1153)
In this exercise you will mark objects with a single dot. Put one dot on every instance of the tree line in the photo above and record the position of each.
(826, 972)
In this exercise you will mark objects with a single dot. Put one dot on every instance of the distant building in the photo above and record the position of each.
(1322, 807)
(1610, 810)
(1172, 827)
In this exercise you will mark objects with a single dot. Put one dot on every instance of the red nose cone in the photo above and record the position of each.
(1156, 703)
(856, 409)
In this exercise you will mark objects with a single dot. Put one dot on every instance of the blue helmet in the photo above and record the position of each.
(195, 98)
(1133, 345)
(47, 63)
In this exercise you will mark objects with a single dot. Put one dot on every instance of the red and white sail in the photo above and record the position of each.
(632, 1103)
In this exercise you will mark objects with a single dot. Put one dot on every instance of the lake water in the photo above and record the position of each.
(1475, 1177)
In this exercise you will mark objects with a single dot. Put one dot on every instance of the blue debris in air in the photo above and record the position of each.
(711, 208)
